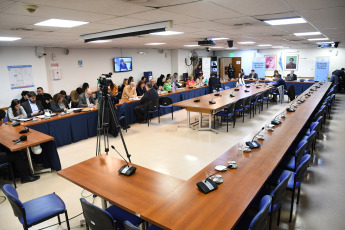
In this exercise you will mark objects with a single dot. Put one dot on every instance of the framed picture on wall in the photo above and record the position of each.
(270, 62)
(291, 62)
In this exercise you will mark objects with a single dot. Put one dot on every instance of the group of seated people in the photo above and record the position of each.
(290, 77)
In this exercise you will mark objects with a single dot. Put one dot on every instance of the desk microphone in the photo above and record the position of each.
(21, 138)
(291, 109)
(276, 121)
(207, 185)
(246, 90)
(212, 101)
(126, 169)
(232, 94)
(217, 94)
(197, 100)
(254, 144)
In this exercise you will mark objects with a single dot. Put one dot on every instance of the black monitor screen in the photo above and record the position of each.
(122, 64)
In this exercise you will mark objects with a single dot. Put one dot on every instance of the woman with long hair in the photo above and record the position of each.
(16, 111)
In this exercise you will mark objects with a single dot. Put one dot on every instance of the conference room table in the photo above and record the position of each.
(221, 101)
(49, 155)
(187, 208)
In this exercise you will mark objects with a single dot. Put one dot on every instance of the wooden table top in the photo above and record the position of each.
(221, 101)
(9, 133)
(135, 193)
(187, 208)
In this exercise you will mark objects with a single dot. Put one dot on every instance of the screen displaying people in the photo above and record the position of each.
(123, 64)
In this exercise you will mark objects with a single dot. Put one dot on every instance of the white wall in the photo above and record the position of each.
(10, 56)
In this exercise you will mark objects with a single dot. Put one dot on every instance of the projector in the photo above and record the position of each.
(206, 42)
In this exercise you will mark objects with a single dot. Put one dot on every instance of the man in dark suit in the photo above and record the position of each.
(213, 82)
(253, 75)
(291, 76)
(150, 95)
(17, 159)
(86, 99)
(44, 98)
(32, 106)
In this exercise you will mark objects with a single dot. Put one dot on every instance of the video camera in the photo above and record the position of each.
(104, 82)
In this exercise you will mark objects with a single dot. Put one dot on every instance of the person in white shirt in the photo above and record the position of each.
(240, 80)
(16, 111)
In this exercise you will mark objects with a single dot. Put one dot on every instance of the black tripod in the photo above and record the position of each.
(102, 126)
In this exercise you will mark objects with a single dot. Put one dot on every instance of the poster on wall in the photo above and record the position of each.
(321, 69)
(270, 62)
(259, 65)
(20, 76)
(291, 62)
(206, 65)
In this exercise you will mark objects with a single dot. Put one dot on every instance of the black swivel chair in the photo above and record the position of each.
(166, 102)
(153, 107)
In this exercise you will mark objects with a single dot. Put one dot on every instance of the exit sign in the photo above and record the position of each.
(231, 54)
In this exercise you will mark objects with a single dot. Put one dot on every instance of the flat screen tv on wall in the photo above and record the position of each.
(122, 64)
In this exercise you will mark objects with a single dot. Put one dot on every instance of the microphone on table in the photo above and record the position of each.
(20, 139)
(197, 100)
(232, 94)
(254, 144)
(212, 101)
(276, 121)
(207, 185)
(126, 169)
(291, 109)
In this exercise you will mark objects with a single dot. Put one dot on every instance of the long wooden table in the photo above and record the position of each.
(9, 133)
(222, 101)
(187, 208)
(135, 193)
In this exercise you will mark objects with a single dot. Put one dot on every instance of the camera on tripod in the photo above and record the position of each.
(104, 82)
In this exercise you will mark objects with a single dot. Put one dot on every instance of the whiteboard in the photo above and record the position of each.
(20, 76)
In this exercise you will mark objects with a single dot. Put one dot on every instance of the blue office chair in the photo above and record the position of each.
(311, 80)
(153, 107)
(214, 91)
(296, 180)
(248, 105)
(130, 226)
(228, 113)
(37, 210)
(10, 171)
(227, 87)
(265, 97)
(256, 103)
(221, 89)
(239, 107)
(309, 149)
(166, 102)
(278, 195)
(112, 218)
(260, 220)
(293, 162)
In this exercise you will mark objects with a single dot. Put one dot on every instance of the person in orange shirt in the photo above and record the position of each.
(191, 81)
(113, 88)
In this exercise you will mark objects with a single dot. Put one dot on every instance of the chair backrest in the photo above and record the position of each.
(310, 139)
(165, 101)
(130, 226)
(256, 98)
(153, 105)
(239, 104)
(260, 220)
(302, 168)
(227, 87)
(318, 114)
(315, 126)
(300, 150)
(216, 87)
(97, 218)
(291, 92)
(248, 100)
(214, 91)
(278, 194)
(266, 94)
(13, 198)
(221, 89)
(230, 108)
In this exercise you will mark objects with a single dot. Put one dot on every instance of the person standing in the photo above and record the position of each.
(44, 98)
(198, 71)
(231, 72)
(150, 95)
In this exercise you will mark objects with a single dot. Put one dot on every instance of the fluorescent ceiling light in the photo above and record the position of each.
(217, 39)
(166, 33)
(285, 21)
(307, 33)
(265, 45)
(100, 41)
(280, 47)
(231, 48)
(61, 23)
(324, 42)
(155, 44)
(216, 47)
(246, 43)
(9, 39)
(190, 45)
(318, 39)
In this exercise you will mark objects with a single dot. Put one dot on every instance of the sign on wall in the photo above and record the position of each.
(20, 76)
(259, 66)
(321, 69)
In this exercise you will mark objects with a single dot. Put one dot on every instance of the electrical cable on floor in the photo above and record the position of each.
(3, 200)
(85, 196)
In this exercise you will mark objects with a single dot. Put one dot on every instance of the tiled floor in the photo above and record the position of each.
(181, 152)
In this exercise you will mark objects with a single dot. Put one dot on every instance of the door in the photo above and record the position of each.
(236, 63)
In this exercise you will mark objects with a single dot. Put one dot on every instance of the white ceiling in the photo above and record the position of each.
(239, 20)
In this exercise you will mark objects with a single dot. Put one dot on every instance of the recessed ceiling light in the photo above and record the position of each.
(166, 33)
(9, 39)
(101, 41)
(318, 39)
(155, 44)
(246, 43)
(61, 23)
(217, 39)
(285, 21)
(265, 45)
(307, 33)
(191, 45)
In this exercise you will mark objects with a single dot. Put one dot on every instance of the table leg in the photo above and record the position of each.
(32, 167)
(209, 128)
(104, 203)
(189, 124)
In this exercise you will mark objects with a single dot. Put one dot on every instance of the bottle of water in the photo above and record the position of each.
(173, 86)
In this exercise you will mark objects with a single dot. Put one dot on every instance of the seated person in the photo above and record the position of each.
(85, 86)
(129, 91)
(154, 85)
(276, 73)
(124, 84)
(279, 82)
(24, 96)
(190, 81)
(291, 76)
(44, 98)
(167, 85)
(74, 95)
(17, 159)
(59, 104)
(175, 78)
(253, 75)
(141, 109)
(141, 89)
(213, 81)
(64, 94)
(199, 80)
(33, 107)
(160, 80)
(113, 88)
(86, 99)
(16, 111)
(240, 80)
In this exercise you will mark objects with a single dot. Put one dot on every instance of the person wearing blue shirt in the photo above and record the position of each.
(279, 82)
(198, 71)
